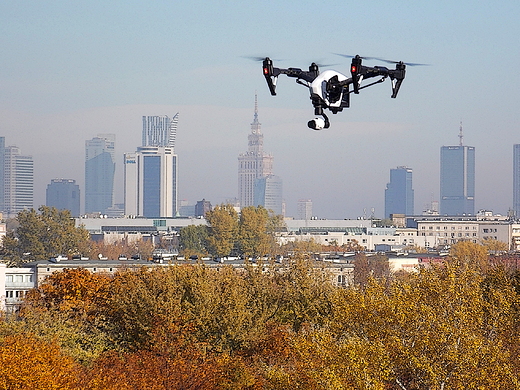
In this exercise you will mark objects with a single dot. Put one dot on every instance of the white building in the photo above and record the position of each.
(151, 182)
(18, 181)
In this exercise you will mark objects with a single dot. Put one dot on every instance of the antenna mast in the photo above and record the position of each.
(461, 136)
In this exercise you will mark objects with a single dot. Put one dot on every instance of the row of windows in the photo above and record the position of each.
(452, 228)
(15, 294)
(452, 234)
(18, 278)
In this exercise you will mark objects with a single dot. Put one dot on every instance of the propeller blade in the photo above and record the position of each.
(258, 59)
(401, 62)
(349, 56)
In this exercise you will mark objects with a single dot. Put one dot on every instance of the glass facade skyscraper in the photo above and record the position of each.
(63, 194)
(457, 180)
(516, 180)
(99, 173)
(18, 181)
(268, 193)
(399, 194)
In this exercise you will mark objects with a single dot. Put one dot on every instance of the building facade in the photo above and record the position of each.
(253, 164)
(160, 130)
(516, 180)
(399, 194)
(99, 173)
(304, 209)
(64, 194)
(18, 181)
(151, 182)
(268, 193)
(457, 180)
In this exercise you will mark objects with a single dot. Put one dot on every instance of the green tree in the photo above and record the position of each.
(223, 229)
(42, 234)
(194, 239)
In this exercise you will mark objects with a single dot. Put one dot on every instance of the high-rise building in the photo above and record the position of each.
(63, 194)
(304, 209)
(253, 164)
(99, 173)
(151, 171)
(516, 180)
(268, 193)
(399, 195)
(18, 181)
(2, 173)
(160, 130)
(457, 179)
(202, 207)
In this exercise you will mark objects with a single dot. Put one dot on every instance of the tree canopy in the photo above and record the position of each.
(44, 233)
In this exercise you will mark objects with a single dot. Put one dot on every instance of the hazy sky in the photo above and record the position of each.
(70, 70)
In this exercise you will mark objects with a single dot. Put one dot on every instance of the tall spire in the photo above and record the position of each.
(255, 126)
(461, 136)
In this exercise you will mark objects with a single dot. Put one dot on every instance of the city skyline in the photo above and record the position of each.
(71, 74)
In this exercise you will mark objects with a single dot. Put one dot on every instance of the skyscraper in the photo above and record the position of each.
(399, 194)
(457, 179)
(516, 180)
(268, 193)
(63, 194)
(151, 171)
(304, 209)
(18, 181)
(253, 164)
(99, 173)
(160, 130)
(2, 173)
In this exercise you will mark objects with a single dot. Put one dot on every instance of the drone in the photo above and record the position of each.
(331, 89)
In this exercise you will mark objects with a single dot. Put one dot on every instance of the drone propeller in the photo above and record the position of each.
(356, 56)
(382, 59)
(401, 62)
(257, 58)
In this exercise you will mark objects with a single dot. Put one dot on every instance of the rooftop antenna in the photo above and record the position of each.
(461, 136)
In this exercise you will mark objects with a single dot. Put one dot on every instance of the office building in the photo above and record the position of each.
(2, 173)
(151, 182)
(18, 181)
(253, 164)
(160, 130)
(99, 173)
(150, 177)
(399, 194)
(202, 207)
(516, 180)
(63, 194)
(268, 193)
(304, 209)
(457, 179)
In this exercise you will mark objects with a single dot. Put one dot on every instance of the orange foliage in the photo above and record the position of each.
(75, 289)
(31, 364)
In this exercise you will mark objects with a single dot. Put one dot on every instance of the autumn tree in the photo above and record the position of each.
(373, 266)
(223, 229)
(28, 363)
(253, 236)
(42, 234)
(469, 254)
